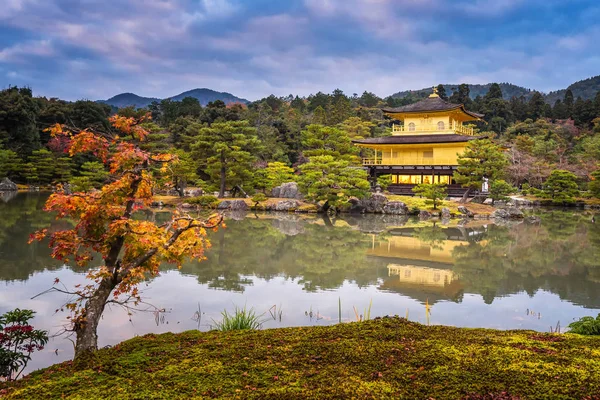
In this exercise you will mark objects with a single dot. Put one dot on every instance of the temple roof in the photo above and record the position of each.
(431, 104)
(418, 139)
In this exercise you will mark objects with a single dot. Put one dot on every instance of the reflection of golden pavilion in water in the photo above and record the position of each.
(419, 269)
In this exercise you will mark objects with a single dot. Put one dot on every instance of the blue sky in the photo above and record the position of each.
(158, 48)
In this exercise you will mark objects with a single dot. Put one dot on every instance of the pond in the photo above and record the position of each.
(298, 269)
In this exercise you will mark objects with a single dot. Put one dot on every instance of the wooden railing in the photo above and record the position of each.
(432, 128)
(410, 161)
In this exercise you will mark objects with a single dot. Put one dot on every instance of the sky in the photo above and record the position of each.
(94, 49)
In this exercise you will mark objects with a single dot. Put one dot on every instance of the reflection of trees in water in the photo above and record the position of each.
(19, 217)
(321, 257)
(560, 255)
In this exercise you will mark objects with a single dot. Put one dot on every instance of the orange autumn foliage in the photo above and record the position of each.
(131, 249)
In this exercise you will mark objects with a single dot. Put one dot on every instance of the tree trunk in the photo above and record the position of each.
(466, 195)
(86, 329)
(223, 176)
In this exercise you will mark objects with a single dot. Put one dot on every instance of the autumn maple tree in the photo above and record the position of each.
(132, 249)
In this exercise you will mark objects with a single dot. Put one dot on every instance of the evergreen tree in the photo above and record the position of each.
(441, 91)
(318, 140)
(45, 165)
(536, 106)
(18, 117)
(518, 108)
(225, 152)
(462, 96)
(569, 101)
(275, 174)
(499, 190)
(482, 159)
(332, 181)
(319, 116)
(298, 104)
(10, 164)
(340, 108)
(559, 110)
(357, 128)
(431, 191)
(561, 187)
(597, 105)
(368, 99)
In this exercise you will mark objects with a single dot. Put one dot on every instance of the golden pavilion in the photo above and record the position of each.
(425, 148)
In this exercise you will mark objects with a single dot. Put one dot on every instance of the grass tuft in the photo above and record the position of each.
(241, 319)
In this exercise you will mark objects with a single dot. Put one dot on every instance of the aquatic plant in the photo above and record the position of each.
(586, 326)
(240, 319)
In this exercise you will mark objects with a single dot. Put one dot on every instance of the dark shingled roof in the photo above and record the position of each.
(431, 104)
(417, 139)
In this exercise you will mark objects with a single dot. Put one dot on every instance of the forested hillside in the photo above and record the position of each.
(258, 145)
(586, 89)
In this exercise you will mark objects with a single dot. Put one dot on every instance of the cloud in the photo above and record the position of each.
(253, 48)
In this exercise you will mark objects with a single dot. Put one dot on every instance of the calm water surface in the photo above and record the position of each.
(517, 276)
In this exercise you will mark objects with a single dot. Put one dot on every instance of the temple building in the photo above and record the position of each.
(425, 148)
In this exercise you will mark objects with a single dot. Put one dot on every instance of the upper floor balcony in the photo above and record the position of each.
(440, 127)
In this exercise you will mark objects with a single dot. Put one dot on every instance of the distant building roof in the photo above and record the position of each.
(418, 139)
(431, 104)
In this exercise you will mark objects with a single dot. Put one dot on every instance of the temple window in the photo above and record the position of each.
(440, 126)
(411, 126)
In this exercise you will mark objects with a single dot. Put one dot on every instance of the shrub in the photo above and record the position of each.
(258, 198)
(431, 191)
(586, 326)
(206, 201)
(241, 319)
(18, 340)
(561, 187)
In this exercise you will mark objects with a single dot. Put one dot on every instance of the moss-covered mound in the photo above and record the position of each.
(384, 358)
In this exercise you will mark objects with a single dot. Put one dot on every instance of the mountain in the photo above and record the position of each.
(508, 91)
(203, 95)
(586, 89)
(129, 99)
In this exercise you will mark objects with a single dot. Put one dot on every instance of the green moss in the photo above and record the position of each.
(382, 358)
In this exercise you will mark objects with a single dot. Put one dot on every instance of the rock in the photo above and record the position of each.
(375, 203)
(158, 204)
(187, 206)
(465, 211)
(238, 205)
(7, 185)
(500, 213)
(424, 214)
(287, 191)
(395, 208)
(507, 213)
(515, 213)
(224, 204)
(356, 206)
(287, 205)
(446, 213)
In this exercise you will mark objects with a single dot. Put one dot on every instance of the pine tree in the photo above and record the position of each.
(482, 159)
(225, 151)
(561, 187)
(536, 106)
(441, 91)
(45, 165)
(10, 164)
(431, 191)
